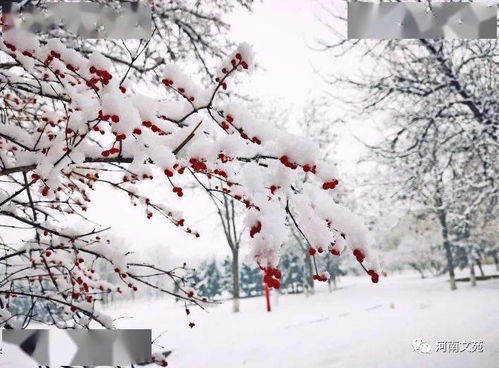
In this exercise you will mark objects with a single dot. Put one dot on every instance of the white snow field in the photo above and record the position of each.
(358, 325)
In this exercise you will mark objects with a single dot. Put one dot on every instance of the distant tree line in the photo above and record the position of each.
(213, 279)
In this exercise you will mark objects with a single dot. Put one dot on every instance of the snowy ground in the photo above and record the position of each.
(358, 325)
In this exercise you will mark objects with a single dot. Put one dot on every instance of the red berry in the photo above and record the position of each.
(359, 255)
(276, 284)
(335, 252)
(311, 251)
(115, 118)
(255, 229)
(284, 159)
(267, 278)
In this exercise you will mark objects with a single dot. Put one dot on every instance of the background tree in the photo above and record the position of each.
(294, 271)
(251, 280)
(206, 279)
(233, 231)
(440, 139)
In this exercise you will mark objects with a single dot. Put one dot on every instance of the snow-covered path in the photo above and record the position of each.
(358, 325)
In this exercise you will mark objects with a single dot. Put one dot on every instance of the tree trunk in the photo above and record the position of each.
(448, 251)
(479, 264)
(472, 273)
(309, 273)
(235, 281)
(496, 260)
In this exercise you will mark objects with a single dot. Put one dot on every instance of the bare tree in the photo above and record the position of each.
(440, 139)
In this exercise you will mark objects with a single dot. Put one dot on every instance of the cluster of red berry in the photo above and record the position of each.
(321, 278)
(312, 251)
(45, 191)
(359, 254)
(221, 173)
(53, 55)
(255, 229)
(228, 122)
(169, 83)
(197, 165)
(224, 158)
(335, 252)
(103, 75)
(10, 46)
(178, 190)
(310, 168)
(271, 277)
(109, 152)
(123, 276)
(330, 184)
(153, 127)
(285, 161)
(236, 61)
(374, 276)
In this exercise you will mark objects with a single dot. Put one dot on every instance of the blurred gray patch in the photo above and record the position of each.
(83, 347)
(417, 20)
(120, 20)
